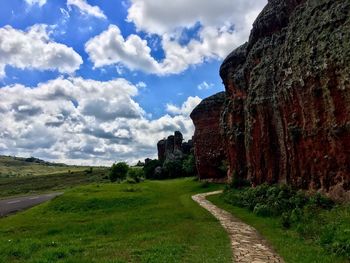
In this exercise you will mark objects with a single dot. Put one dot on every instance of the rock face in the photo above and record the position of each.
(208, 147)
(173, 147)
(286, 118)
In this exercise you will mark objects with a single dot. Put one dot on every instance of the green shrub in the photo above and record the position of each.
(135, 174)
(238, 183)
(277, 200)
(262, 210)
(189, 166)
(173, 169)
(118, 171)
(321, 201)
(297, 211)
(149, 168)
(285, 220)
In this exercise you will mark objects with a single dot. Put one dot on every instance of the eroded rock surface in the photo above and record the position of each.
(173, 147)
(286, 118)
(208, 147)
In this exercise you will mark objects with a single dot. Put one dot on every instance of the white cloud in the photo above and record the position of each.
(225, 24)
(166, 16)
(186, 108)
(38, 2)
(33, 49)
(85, 8)
(205, 85)
(110, 47)
(141, 85)
(78, 120)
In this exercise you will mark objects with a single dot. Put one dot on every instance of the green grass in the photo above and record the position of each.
(51, 182)
(17, 167)
(154, 221)
(288, 243)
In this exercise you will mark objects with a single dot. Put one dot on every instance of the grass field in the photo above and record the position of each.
(17, 167)
(154, 221)
(287, 243)
(51, 182)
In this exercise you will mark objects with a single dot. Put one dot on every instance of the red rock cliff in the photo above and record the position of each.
(286, 118)
(208, 147)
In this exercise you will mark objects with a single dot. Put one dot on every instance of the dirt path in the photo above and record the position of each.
(247, 244)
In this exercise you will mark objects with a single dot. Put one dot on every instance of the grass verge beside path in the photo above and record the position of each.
(287, 243)
(154, 221)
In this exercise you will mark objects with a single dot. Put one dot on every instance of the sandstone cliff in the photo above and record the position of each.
(208, 147)
(286, 118)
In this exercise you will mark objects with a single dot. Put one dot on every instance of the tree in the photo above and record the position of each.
(136, 174)
(118, 171)
(189, 166)
(150, 167)
(173, 169)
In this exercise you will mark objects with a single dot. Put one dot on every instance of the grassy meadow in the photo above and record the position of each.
(153, 221)
(50, 182)
(18, 167)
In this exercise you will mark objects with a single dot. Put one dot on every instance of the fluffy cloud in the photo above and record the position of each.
(85, 8)
(33, 2)
(166, 16)
(205, 85)
(33, 49)
(110, 47)
(76, 120)
(186, 107)
(224, 25)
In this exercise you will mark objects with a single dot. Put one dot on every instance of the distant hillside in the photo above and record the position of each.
(11, 166)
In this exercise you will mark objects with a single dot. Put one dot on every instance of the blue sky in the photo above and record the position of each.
(93, 82)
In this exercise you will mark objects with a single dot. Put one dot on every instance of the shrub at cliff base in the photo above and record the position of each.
(314, 217)
(189, 166)
(150, 167)
(118, 171)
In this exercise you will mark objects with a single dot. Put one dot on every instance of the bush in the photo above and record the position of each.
(173, 169)
(238, 182)
(136, 174)
(189, 166)
(118, 171)
(150, 167)
(262, 210)
(313, 217)
(321, 201)
(285, 220)
(275, 200)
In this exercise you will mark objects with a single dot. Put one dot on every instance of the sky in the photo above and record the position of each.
(93, 82)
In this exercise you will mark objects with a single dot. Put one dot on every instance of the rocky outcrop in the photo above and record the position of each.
(208, 148)
(173, 147)
(286, 118)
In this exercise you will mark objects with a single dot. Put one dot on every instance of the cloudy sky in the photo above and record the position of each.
(93, 82)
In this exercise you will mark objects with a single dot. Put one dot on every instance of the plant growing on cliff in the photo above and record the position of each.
(118, 171)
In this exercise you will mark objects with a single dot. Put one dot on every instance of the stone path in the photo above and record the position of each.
(247, 244)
